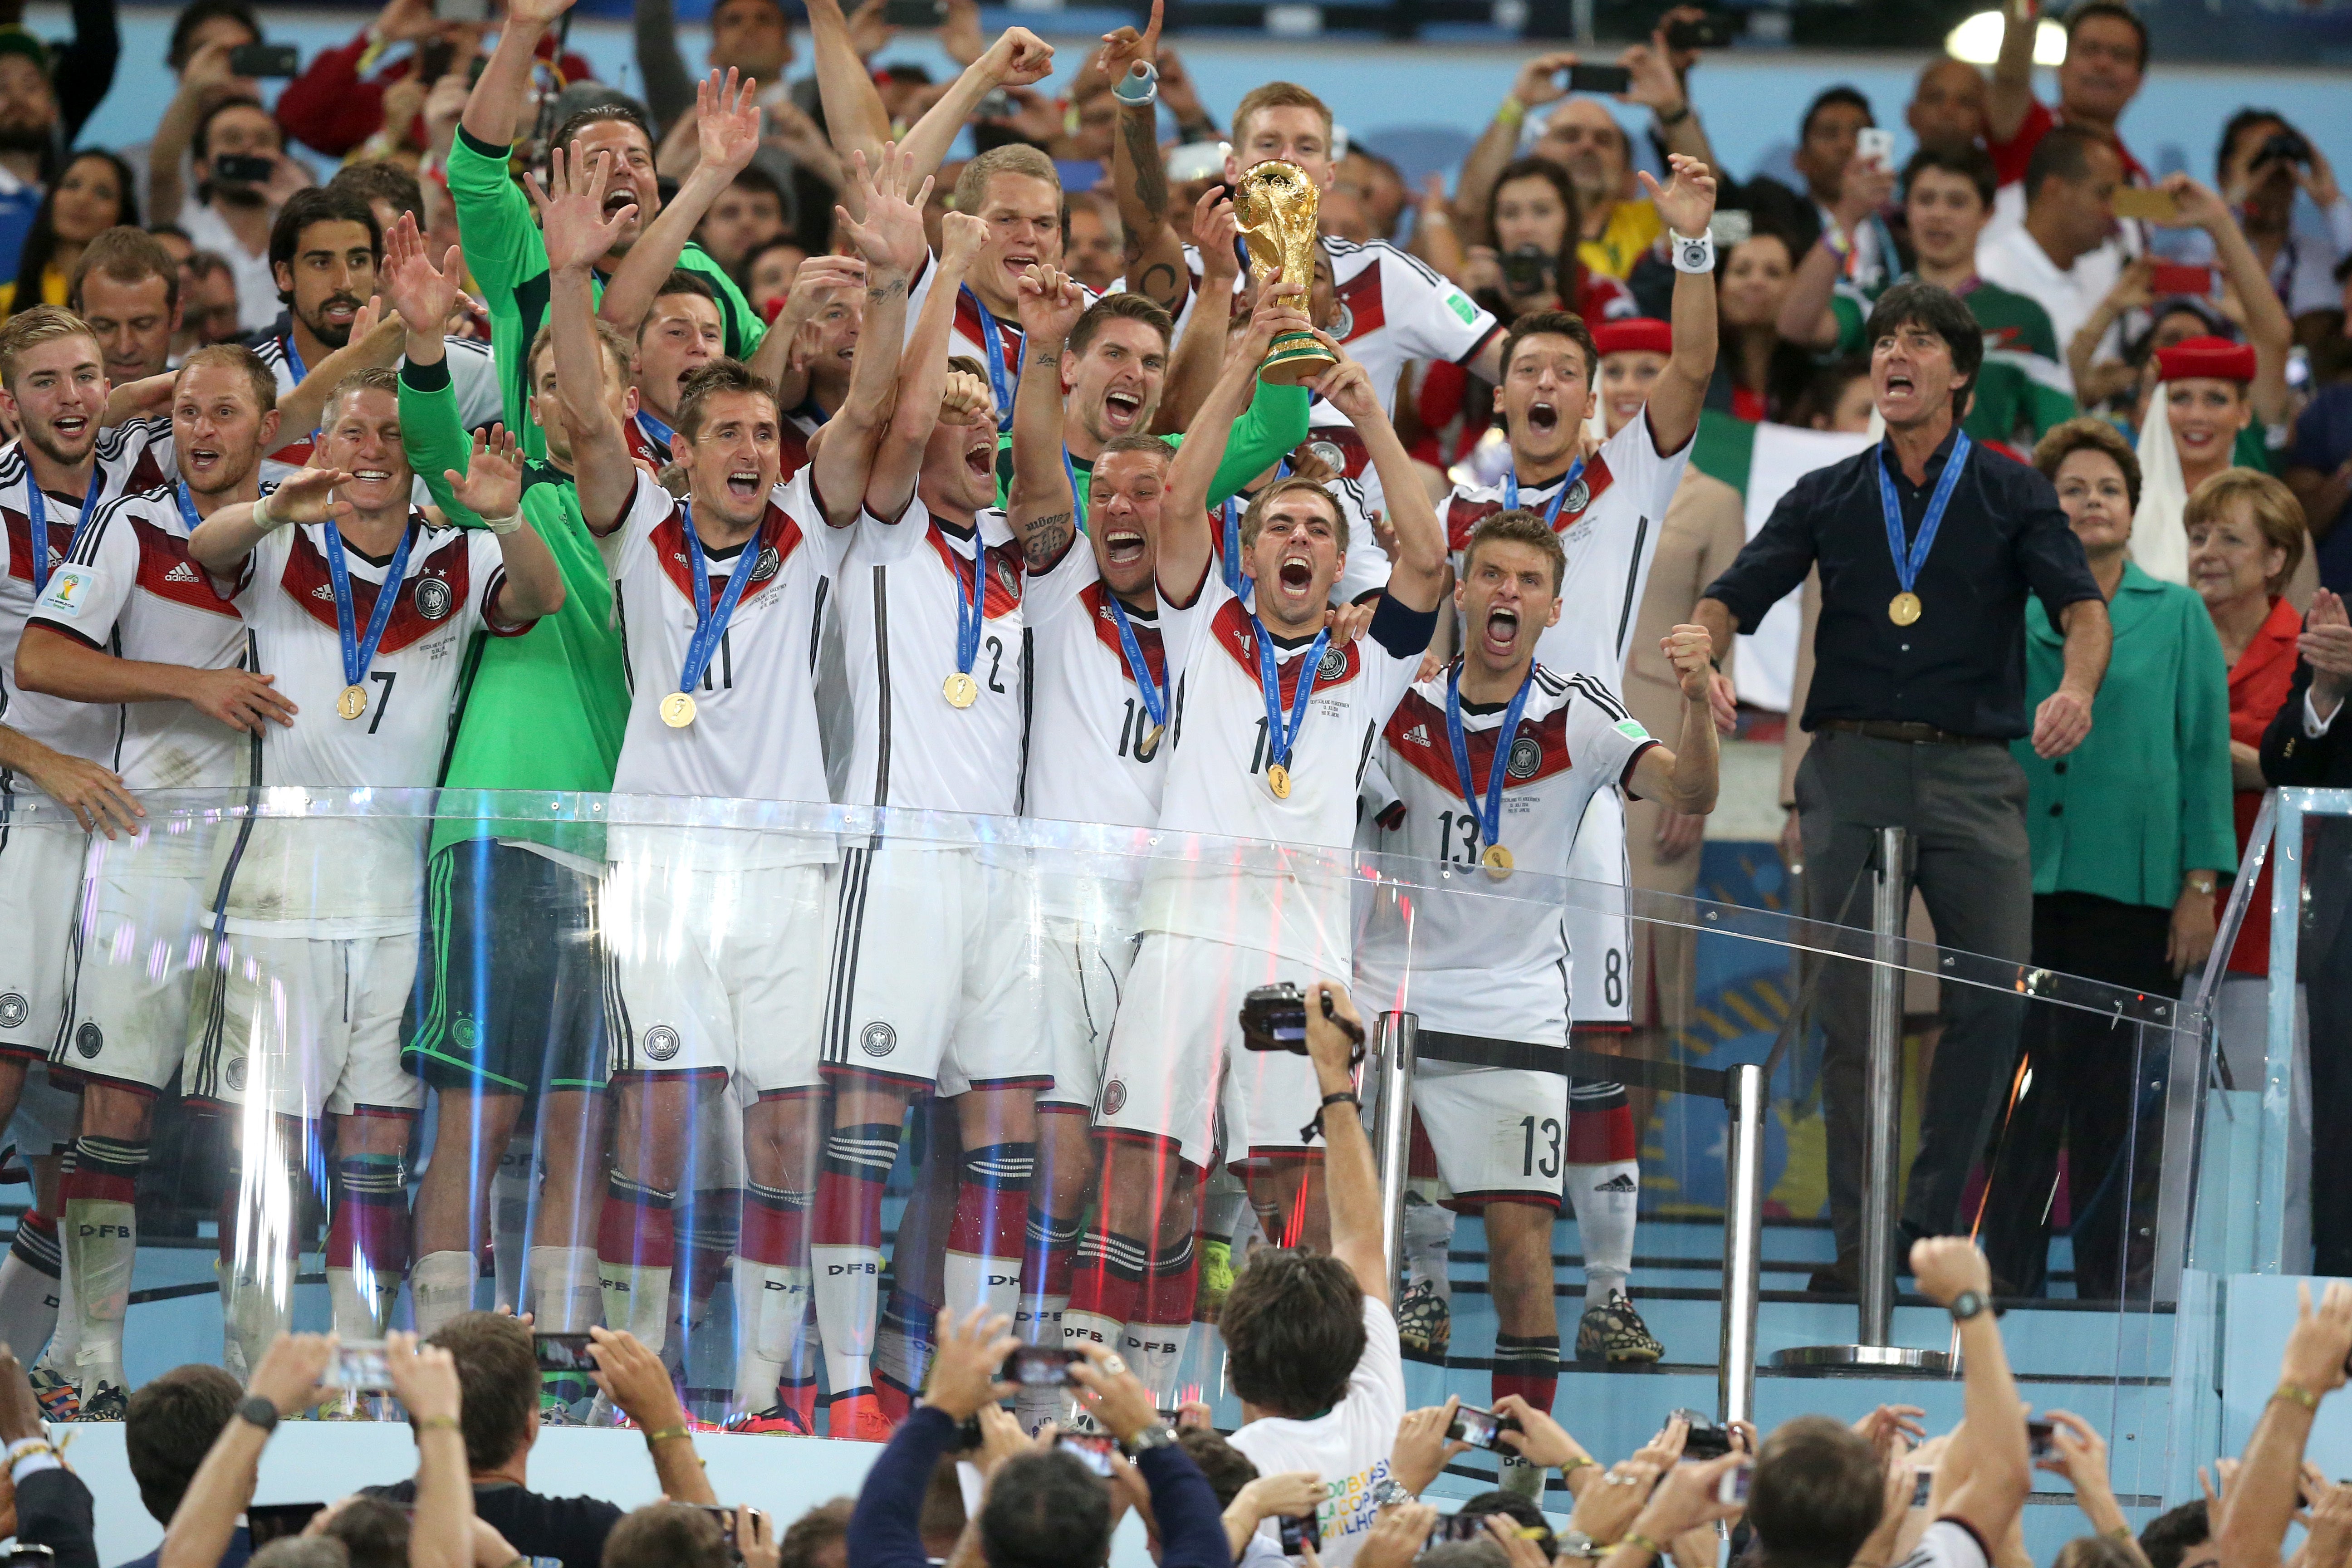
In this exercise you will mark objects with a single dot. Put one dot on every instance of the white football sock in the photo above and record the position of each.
(441, 1286)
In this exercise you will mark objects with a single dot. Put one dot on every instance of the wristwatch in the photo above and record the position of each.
(1576, 1543)
(258, 1412)
(1967, 1305)
(1158, 1435)
(1387, 1492)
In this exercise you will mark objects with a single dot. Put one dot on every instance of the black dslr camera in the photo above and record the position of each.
(1274, 1018)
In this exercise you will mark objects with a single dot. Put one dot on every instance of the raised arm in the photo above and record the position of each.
(923, 373)
(204, 82)
(891, 241)
(1186, 540)
(205, 1521)
(571, 219)
(493, 109)
(2267, 326)
(1019, 58)
(1417, 578)
(377, 336)
(1351, 1185)
(1685, 778)
(2008, 95)
(1536, 85)
(1658, 87)
(426, 1379)
(2264, 1496)
(1041, 504)
(667, 82)
(1990, 1445)
(1138, 174)
(430, 428)
(1198, 352)
(854, 113)
(223, 541)
(1688, 204)
(491, 489)
(822, 282)
(726, 130)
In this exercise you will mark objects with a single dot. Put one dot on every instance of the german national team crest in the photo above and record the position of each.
(878, 1039)
(1526, 757)
(431, 598)
(661, 1042)
(1328, 453)
(1344, 327)
(1006, 575)
(765, 567)
(233, 1075)
(464, 1033)
(1114, 1099)
(1334, 665)
(90, 1039)
(1579, 494)
(13, 1009)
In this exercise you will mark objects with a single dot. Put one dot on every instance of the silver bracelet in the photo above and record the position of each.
(1692, 254)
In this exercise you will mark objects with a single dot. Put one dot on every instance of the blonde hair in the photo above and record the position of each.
(1013, 158)
(1278, 95)
(239, 358)
(30, 329)
(619, 352)
(2275, 511)
(1254, 518)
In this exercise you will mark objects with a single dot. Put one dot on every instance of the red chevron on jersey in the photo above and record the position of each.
(1096, 599)
(1004, 575)
(1339, 447)
(428, 597)
(1360, 296)
(642, 449)
(1467, 511)
(146, 474)
(295, 454)
(970, 324)
(166, 572)
(20, 540)
(1416, 733)
(779, 537)
(1236, 633)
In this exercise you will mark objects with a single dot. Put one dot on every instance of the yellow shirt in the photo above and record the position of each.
(1634, 226)
(53, 291)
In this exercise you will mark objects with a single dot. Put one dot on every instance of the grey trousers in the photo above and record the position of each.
(1965, 809)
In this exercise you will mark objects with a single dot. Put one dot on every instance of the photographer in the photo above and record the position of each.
(1041, 1508)
(2262, 164)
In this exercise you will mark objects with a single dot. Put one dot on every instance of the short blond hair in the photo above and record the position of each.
(1278, 95)
(30, 329)
(1254, 518)
(244, 362)
(2275, 511)
(374, 378)
(619, 352)
(1518, 526)
(1013, 158)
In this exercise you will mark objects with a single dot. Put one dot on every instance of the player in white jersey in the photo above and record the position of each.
(1273, 722)
(131, 622)
(360, 610)
(1607, 502)
(53, 481)
(720, 938)
(1494, 760)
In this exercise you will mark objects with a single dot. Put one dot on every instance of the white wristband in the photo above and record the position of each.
(262, 517)
(503, 526)
(1692, 254)
(1139, 87)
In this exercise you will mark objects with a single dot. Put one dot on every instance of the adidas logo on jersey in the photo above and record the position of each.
(1417, 736)
(324, 592)
(182, 572)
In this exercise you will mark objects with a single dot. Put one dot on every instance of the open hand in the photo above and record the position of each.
(891, 238)
(727, 122)
(967, 1352)
(1687, 200)
(421, 293)
(571, 218)
(491, 486)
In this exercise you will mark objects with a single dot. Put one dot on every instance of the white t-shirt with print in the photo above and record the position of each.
(1348, 1445)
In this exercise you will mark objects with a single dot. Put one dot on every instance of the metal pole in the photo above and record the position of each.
(1395, 1040)
(1882, 1089)
(1743, 1244)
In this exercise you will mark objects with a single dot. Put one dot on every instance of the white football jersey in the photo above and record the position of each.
(1093, 756)
(1217, 780)
(901, 584)
(133, 591)
(969, 335)
(345, 878)
(754, 735)
(473, 377)
(1480, 965)
(125, 462)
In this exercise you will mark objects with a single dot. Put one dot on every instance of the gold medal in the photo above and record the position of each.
(1150, 741)
(960, 690)
(677, 709)
(1278, 779)
(1498, 860)
(1903, 608)
(352, 702)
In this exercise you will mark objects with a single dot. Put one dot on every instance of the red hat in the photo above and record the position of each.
(2217, 358)
(1643, 335)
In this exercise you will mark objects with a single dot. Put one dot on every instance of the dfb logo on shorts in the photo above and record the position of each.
(1334, 665)
(765, 567)
(234, 1074)
(431, 598)
(878, 1039)
(661, 1042)
(90, 1039)
(14, 1010)
(1114, 1099)
(1526, 757)
(464, 1033)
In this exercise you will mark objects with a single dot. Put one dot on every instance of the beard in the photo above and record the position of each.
(333, 335)
(46, 439)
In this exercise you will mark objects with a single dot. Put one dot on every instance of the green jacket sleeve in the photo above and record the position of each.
(2208, 833)
(433, 436)
(1849, 314)
(503, 249)
(1275, 423)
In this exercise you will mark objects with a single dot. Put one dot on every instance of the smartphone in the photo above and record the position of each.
(2139, 201)
(914, 13)
(2038, 1441)
(562, 1353)
(1300, 1533)
(1732, 1491)
(265, 59)
(462, 10)
(268, 1521)
(998, 105)
(1460, 1526)
(1094, 1453)
(1482, 1429)
(1922, 1487)
(1706, 32)
(359, 1366)
(1526, 270)
(1611, 79)
(1038, 1366)
(1707, 1440)
(726, 1518)
(242, 167)
(2170, 278)
(1874, 144)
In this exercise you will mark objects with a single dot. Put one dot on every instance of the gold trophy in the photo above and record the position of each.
(1274, 204)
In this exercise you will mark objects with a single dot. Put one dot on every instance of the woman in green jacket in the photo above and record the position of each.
(2130, 832)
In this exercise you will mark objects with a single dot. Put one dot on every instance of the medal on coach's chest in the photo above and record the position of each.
(1486, 810)
(358, 647)
(1904, 607)
(678, 708)
(972, 612)
(1281, 739)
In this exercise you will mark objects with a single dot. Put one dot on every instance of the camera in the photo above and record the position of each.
(2039, 1440)
(1922, 1489)
(1732, 1491)
(1607, 80)
(1482, 1429)
(1300, 1533)
(1038, 1366)
(1274, 1018)
(268, 1521)
(2283, 147)
(1706, 32)
(265, 59)
(1526, 270)
(914, 13)
(243, 167)
(562, 1353)
(1707, 1440)
(998, 105)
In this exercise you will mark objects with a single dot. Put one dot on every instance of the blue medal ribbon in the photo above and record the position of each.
(294, 360)
(992, 345)
(1280, 740)
(711, 621)
(1238, 582)
(1551, 512)
(1907, 561)
(658, 433)
(1488, 812)
(36, 512)
(188, 506)
(971, 614)
(359, 652)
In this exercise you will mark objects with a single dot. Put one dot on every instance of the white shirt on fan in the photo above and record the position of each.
(1347, 1446)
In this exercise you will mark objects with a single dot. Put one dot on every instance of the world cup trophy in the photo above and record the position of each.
(1274, 206)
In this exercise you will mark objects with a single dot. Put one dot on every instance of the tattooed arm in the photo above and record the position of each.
(1155, 256)
(1041, 504)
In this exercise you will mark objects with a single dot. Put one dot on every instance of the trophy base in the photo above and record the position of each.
(1293, 359)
